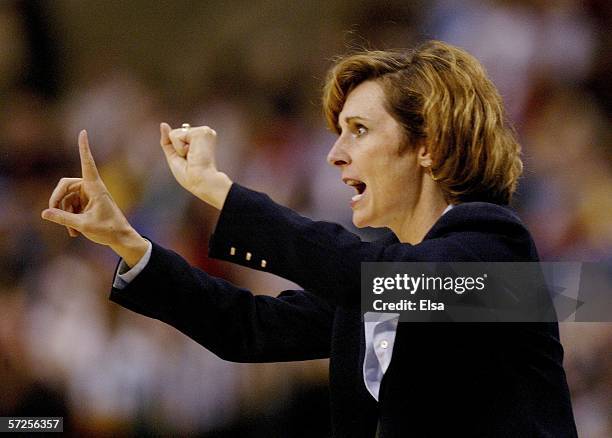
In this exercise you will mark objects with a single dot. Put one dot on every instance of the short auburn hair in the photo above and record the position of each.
(443, 99)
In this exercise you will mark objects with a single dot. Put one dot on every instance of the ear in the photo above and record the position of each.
(424, 157)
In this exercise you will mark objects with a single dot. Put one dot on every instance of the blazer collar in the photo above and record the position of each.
(460, 216)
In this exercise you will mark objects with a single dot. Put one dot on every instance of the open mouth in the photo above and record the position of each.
(360, 186)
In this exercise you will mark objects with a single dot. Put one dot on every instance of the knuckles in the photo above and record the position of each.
(67, 181)
(194, 132)
(204, 131)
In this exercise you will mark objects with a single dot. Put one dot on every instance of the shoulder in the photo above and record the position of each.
(491, 232)
(481, 217)
(478, 216)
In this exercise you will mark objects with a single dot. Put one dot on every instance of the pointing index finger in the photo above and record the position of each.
(88, 166)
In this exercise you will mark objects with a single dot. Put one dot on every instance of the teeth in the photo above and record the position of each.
(357, 197)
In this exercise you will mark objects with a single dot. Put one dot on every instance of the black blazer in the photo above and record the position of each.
(444, 380)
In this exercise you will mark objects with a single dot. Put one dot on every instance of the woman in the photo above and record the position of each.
(422, 139)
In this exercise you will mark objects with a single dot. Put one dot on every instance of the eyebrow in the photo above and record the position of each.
(348, 119)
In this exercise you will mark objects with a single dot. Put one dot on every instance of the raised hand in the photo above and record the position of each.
(85, 206)
(191, 157)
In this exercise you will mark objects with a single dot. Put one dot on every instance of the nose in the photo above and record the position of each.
(337, 155)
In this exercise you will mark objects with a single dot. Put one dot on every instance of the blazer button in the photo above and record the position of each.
(248, 256)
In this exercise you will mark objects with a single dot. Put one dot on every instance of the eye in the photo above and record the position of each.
(360, 130)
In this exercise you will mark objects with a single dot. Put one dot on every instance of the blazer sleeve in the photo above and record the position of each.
(229, 321)
(325, 258)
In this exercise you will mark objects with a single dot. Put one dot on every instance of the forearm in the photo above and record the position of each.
(319, 256)
(229, 321)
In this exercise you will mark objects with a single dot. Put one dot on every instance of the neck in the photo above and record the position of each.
(426, 211)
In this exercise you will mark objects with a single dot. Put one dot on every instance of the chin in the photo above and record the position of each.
(360, 221)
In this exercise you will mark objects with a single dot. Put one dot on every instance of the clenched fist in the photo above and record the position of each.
(191, 156)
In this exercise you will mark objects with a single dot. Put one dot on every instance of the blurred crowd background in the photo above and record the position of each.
(253, 70)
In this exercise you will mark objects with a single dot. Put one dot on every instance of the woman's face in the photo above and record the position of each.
(367, 153)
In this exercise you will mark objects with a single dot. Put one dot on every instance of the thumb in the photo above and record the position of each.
(165, 133)
(62, 217)
(164, 140)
